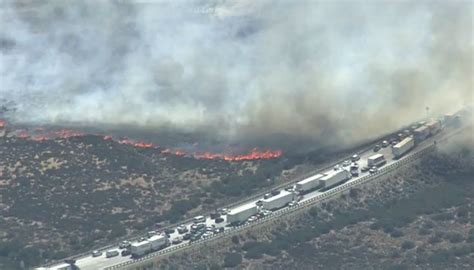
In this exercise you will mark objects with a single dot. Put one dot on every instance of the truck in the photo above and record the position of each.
(376, 160)
(308, 184)
(402, 147)
(433, 127)
(158, 241)
(139, 249)
(333, 178)
(421, 133)
(241, 213)
(278, 201)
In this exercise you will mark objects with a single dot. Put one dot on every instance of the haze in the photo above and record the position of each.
(315, 69)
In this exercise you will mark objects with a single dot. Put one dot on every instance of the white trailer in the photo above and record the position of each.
(158, 241)
(376, 160)
(332, 178)
(402, 147)
(421, 133)
(138, 249)
(278, 201)
(241, 213)
(308, 183)
(433, 127)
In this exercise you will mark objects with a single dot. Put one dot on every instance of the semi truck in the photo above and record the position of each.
(241, 213)
(308, 184)
(278, 201)
(334, 177)
(433, 127)
(421, 133)
(376, 160)
(153, 243)
(402, 147)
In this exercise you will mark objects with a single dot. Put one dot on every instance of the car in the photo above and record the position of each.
(209, 229)
(124, 244)
(125, 252)
(186, 236)
(290, 188)
(169, 231)
(219, 220)
(143, 239)
(177, 240)
(151, 233)
(291, 204)
(259, 203)
(266, 196)
(337, 167)
(365, 169)
(215, 215)
(223, 211)
(394, 142)
(373, 170)
(266, 212)
(111, 253)
(376, 148)
(182, 229)
(252, 219)
(346, 163)
(275, 192)
(355, 158)
(205, 235)
(385, 144)
(96, 253)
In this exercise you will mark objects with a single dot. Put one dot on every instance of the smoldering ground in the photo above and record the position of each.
(243, 70)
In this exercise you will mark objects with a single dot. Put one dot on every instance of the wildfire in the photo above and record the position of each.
(254, 154)
(39, 134)
(138, 144)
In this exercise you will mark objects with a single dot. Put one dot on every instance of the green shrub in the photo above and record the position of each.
(408, 245)
(232, 259)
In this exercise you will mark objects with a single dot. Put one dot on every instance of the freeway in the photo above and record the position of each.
(101, 262)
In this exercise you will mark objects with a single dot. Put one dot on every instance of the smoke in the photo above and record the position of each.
(319, 70)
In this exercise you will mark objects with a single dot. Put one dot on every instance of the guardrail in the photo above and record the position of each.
(305, 204)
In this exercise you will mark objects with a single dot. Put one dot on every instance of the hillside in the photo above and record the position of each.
(59, 197)
(418, 217)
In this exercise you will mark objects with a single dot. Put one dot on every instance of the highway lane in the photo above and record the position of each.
(94, 263)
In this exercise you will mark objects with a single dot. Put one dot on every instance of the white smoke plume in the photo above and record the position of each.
(323, 70)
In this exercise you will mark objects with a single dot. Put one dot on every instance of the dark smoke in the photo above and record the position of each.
(310, 70)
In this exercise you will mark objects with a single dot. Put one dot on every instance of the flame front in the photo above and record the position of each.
(38, 135)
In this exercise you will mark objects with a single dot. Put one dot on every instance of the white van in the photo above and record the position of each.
(199, 219)
(111, 253)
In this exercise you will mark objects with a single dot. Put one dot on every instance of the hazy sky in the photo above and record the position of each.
(320, 69)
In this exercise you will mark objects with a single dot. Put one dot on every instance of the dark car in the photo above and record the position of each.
(187, 236)
(219, 220)
(169, 231)
(376, 148)
(275, 192)
(215, 215)
(125, 252)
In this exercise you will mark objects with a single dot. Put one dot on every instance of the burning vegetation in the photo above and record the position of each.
(39, 134)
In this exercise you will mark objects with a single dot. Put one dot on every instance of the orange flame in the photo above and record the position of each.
(254, 154)
(138, 144)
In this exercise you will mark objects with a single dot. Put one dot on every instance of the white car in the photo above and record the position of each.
(96, 253)
(346, 163)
